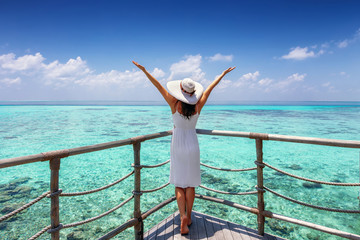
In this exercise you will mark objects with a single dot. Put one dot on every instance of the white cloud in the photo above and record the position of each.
(11, 81)
(296, 77)
(74, 71)
(224, 83)
(299, 53)
(325, 45)
(321, 52)
(158, 73)
(344, 74)
(71, 71)
(251, 76)
(327, 84)
(248, 79)
(343, 44)
(126, 79)
(190, 67)
(265, 82)
(329, 87)
(8, 61)
(346, 42)
(220, 57)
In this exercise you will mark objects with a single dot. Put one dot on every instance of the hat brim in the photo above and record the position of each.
(175, 91)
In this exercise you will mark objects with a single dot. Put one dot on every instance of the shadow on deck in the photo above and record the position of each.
(204, 227)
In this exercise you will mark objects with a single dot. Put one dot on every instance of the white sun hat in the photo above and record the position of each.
(186, 90)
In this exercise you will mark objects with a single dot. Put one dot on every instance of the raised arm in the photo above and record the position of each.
(168, 98)
(207, 92)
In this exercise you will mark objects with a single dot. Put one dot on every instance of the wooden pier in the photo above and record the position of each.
(204, 227)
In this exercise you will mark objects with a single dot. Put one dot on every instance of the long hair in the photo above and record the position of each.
(187, 110)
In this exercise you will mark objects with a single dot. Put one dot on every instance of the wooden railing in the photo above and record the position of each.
(54, 158)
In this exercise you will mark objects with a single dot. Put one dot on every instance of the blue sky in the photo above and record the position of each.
(82, 50)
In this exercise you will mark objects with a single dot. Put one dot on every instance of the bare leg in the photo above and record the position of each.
(190, 196)
(181, 201)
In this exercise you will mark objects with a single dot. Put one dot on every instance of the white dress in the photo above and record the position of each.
(184, 153)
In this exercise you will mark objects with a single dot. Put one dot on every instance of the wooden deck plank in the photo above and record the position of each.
(229, 225)
(151, 234)
(146, 235)
(235, 231)
(253, 234)
(177, 234)
(273, 237)
(204, 227)
(226, 230)
(269, 237)
(169, 228)
(209, 228)
(218, 233)
(200, 226)
(193, 231)
(160, 232)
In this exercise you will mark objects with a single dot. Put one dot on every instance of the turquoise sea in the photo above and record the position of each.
(33, 127)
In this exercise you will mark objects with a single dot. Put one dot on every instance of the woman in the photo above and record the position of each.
(186, 98)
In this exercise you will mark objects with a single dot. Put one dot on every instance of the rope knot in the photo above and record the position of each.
(259, 189)
(58, 228)
(262, 165)
(137, 193)
(58, 192)
(137, 166)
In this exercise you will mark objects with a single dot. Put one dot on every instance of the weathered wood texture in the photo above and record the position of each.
(54, 187)
(260, 185)
(204, 227)
(137, 188)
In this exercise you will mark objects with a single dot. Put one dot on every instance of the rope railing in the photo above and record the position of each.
(151, 166)
(230, 193)
(129, 223)
(99, 216)
(310, 205)
(311, 180)
(228, 170)
(97, 189)
(22, 208)
(133, 221)
(38, 234)
(61, 226)
(155, 189)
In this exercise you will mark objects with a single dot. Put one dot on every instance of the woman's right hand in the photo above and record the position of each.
(142, 68)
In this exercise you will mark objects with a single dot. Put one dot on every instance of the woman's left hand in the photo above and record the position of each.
(228, 70)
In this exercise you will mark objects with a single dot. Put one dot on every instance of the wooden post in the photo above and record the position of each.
(138, 228)
(260, 184)
(54, 187)
(359, 180)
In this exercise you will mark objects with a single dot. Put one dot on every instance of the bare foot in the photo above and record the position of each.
(189, 221)
(184, 228)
